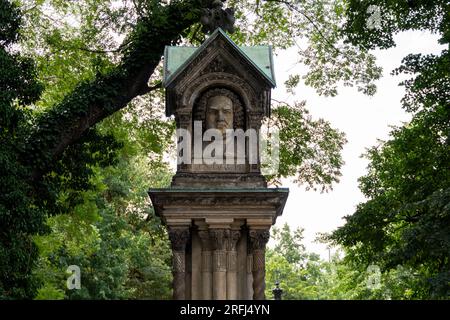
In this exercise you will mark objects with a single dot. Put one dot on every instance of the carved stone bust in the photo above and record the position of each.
(221, 109)
(219, 113)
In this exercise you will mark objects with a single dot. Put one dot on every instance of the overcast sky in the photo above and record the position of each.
(363, 119)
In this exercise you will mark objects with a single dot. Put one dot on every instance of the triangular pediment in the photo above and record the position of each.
(256, 58)
(219, 60)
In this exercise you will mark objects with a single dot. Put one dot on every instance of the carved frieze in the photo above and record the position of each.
(219, 201)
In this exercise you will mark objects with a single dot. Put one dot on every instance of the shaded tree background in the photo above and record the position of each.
(83, 136)
(406, 220)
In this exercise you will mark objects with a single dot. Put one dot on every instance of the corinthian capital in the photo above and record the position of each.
(233, 237)
(218, 238)
(259, 238)
(205, 239)
(178, 238)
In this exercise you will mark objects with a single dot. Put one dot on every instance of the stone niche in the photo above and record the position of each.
(218, 215)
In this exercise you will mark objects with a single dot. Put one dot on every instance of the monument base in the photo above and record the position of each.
(218, 239)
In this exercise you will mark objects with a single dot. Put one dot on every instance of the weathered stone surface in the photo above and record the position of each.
(224, 180)
(222, 218)
(258, 240)
(179, 237)
(219, 214)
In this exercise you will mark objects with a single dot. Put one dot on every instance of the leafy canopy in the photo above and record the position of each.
(95, 58)
(406, 219)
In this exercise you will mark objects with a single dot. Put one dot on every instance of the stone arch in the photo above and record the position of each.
(219, 79)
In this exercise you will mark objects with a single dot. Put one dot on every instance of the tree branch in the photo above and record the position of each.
(93, 50)
(95, 100)
(158, 85)
(310, 20)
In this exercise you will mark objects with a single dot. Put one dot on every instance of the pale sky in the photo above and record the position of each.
(363, 119)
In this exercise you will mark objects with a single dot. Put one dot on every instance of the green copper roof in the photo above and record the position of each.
(177, 58)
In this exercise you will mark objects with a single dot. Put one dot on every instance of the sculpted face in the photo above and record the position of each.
(219, 113)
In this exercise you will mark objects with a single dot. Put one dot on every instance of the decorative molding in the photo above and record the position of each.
(219, 79)
(254, 120)
(219, 60)
(225, 179)
(259, 238)
(218, 65)
(211, 201)
(218, 240)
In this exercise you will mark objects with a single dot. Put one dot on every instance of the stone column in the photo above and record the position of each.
(206, 265)
(249, 269)
(188, 269)
(232, 285)
(258, 239)
(219, 263)
(179, 236)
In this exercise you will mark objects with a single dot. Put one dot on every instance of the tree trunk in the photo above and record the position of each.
(93, 101)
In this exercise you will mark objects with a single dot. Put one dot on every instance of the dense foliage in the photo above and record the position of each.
(83, 136)
(69, 152)
(20, 215)
(305, 276)
(406, 220)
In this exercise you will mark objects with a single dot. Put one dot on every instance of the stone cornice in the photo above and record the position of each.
(175, 203)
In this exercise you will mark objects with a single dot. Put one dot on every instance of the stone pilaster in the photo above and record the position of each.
(183, 120)
(249, 269)
(258, 239)
(232, 285)
(179, 237)
(206, 265)
(218, 237)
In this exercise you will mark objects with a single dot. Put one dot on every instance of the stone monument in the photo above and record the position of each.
(218, 214)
